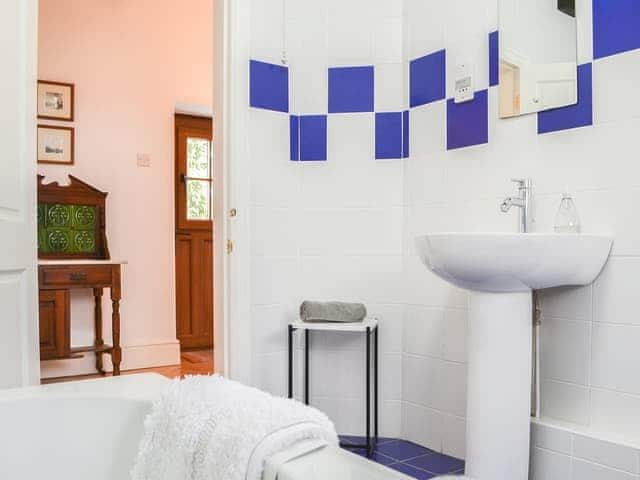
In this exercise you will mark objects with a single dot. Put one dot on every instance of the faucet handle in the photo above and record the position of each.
(522, 182)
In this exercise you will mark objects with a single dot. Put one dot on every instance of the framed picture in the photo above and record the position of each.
(55, 100)
(55, 145)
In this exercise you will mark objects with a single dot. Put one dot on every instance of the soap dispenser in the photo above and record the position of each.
(567, 219)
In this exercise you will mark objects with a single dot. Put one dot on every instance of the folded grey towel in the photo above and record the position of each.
(332, 312)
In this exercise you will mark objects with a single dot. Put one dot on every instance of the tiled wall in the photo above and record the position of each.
(575, 454)
(331, 221)
(326, 217)
(590, 335)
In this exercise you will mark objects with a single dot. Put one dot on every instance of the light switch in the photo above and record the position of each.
(144, 160)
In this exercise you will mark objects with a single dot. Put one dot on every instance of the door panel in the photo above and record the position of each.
(194, 237)
(19, 359)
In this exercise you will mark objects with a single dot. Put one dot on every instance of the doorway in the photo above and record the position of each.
(194, 232)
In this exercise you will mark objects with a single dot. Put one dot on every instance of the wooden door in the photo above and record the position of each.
(194, 232)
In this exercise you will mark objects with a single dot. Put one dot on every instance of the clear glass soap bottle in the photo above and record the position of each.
(567, 219)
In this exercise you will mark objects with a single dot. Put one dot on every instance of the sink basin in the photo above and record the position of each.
(502, 270)
(514, 262)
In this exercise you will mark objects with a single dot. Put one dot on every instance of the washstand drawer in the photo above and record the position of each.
(76, 275)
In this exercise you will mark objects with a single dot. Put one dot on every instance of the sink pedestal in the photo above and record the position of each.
(499, 386)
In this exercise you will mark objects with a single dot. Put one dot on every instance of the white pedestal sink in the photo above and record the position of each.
(502, 270)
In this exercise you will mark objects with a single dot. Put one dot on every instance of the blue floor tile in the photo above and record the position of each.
(375, 456)
(402, 450)
(358, 440)
(437, 463)
(412, 471)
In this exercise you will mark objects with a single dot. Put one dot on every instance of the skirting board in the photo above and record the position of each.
(133, 357)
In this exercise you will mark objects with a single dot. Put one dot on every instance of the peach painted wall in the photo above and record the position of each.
(132, 61)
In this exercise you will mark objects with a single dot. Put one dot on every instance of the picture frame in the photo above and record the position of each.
(56, 145)
(56, 100)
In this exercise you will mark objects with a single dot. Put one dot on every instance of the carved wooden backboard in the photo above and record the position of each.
(71, 221)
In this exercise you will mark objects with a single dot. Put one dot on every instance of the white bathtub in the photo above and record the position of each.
(91, 429)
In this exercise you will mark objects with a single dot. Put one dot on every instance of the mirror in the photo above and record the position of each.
(538, 56)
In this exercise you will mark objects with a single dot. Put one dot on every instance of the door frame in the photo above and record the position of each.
(232, 307)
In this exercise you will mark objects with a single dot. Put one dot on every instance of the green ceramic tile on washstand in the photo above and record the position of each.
(84, 241)
(66, 228)
(58, 215)
(83, 217)
(58, 240)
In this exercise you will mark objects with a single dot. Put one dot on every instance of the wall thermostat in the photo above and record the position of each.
(463, 90)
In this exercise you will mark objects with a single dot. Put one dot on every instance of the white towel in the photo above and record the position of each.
(208, 427)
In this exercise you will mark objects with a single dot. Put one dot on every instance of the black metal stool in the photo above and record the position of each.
(370, 328)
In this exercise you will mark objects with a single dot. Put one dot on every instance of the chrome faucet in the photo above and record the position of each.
(523, 202)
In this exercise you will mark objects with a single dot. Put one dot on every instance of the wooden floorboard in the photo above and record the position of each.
(196, 362)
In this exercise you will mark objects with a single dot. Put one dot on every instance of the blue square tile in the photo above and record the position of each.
(294, 137)
(494, 58)
(412, 471)
(313, 137)
(402, 450)
(388, 135)
(405, 134)
(361, 440)
(427, 79)
(437, 463)
(375, 456)
(351, 89)
(268, 86)
(616, 26)
(468, 122)
(572, 116)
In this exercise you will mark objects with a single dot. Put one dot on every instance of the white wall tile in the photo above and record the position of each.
(389, 87)
(428, 130)
(423, 426)
(548, 465)
(423, 331)
(269, 327)
(267, 24)
(454, 436)
(615, 97)
(274, 232)
(349, 45)
(425, 26)
(615, 357)
(391, 419)
(455, 335)
(565, 350)
(269, 162)
(420, 383)
(271, 373)
(590, 471)
(609, 454)
(551, 438)
(390, 326)
(451, 386)
(565, 401)
(391, 376)
(388, 39)
(570, 303)
(273, 280)
(615, 292)
(615, 412)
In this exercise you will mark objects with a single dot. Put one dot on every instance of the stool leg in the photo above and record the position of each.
(306, 367)
(375, 385)
(368, 375)
(290, 361)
